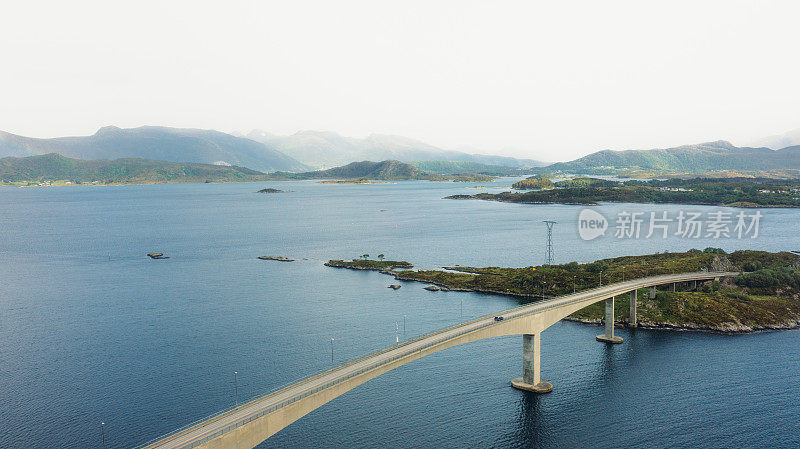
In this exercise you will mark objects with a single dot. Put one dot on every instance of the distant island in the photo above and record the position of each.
(765, 296)
(380, 171)
(54, 169)
(350, 181)
(733, 192)
(271, 190)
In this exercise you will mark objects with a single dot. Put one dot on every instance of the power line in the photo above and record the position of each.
(549, 250)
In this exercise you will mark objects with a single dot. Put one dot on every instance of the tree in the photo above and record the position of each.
(365, 256)
(380, 256)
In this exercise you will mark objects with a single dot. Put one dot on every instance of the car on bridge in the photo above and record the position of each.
(498, 318)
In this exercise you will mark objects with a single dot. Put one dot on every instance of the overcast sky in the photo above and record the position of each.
(549, 80)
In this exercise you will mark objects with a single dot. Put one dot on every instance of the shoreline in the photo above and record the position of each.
(690, 327)
(729, 329)
(589, 204)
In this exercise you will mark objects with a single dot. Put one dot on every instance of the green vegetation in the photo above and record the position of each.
(461, 167)
(737, 192)
(54, 169)
(765, 295)
(382, 171)
(725, 309)
(539, 182)
(719, 156)
(364, 264)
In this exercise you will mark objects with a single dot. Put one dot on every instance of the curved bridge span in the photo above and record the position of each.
(251, 423)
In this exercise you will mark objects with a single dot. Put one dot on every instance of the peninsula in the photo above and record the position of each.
(733, 192)
(765, 296)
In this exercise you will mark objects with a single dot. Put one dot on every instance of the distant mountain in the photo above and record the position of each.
(787, 139)
(157, 143)
(54, 167)
(384, 171)
(710, 156)
(327, 149)
(461, 167)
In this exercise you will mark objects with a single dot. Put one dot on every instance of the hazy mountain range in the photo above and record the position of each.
(384, 170)
(328, 149)
(305, 150)
(52, 167)
(787, 139)
(157, 143)
(704, 157)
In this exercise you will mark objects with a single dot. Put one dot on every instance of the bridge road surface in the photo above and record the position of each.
(224, 422)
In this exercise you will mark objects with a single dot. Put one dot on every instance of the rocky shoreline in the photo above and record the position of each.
(730, 328)
(726, 328)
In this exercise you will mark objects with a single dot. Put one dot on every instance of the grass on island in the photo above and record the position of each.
(710, 307)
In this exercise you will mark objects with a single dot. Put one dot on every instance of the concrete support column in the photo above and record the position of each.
(694, 285)
(531, 367)
(672, 287)
(609, 337)
(634, 297)
(653, 292)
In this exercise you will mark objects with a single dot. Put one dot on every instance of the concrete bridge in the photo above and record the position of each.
(251, 423)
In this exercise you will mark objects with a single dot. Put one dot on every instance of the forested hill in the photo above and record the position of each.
(704, 157)
(54, 167)
(384, 171)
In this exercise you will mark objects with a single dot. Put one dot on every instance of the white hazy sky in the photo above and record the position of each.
(544, 79)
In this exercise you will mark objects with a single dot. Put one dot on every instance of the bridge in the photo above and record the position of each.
(251, 423)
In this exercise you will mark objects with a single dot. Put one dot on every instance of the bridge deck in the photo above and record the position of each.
(210, 428)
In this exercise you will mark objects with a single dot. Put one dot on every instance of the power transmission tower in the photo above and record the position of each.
(549, 249)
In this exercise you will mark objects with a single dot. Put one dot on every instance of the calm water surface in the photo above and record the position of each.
(91, 330)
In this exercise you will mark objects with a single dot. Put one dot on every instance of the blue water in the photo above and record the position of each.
(93, 331)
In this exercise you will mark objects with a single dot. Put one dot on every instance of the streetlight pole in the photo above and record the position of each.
(396, 332)
(331, 350)
(573, 284)
(235, 388)
(404, 324)
(103, 434)
(601, 278)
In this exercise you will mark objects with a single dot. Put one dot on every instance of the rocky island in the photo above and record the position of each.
(765, 296)
(366, 264)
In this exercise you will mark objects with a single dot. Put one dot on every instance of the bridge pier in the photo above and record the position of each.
(653, 292)
(634, 297)
(672, 286)
(608, 336)
(531, 367)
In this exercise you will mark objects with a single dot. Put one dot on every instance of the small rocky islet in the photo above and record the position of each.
(278, 258)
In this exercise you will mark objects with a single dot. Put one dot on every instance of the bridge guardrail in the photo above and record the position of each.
(510, 313)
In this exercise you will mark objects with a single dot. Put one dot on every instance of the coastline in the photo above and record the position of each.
(732, 328)
(690, 327)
